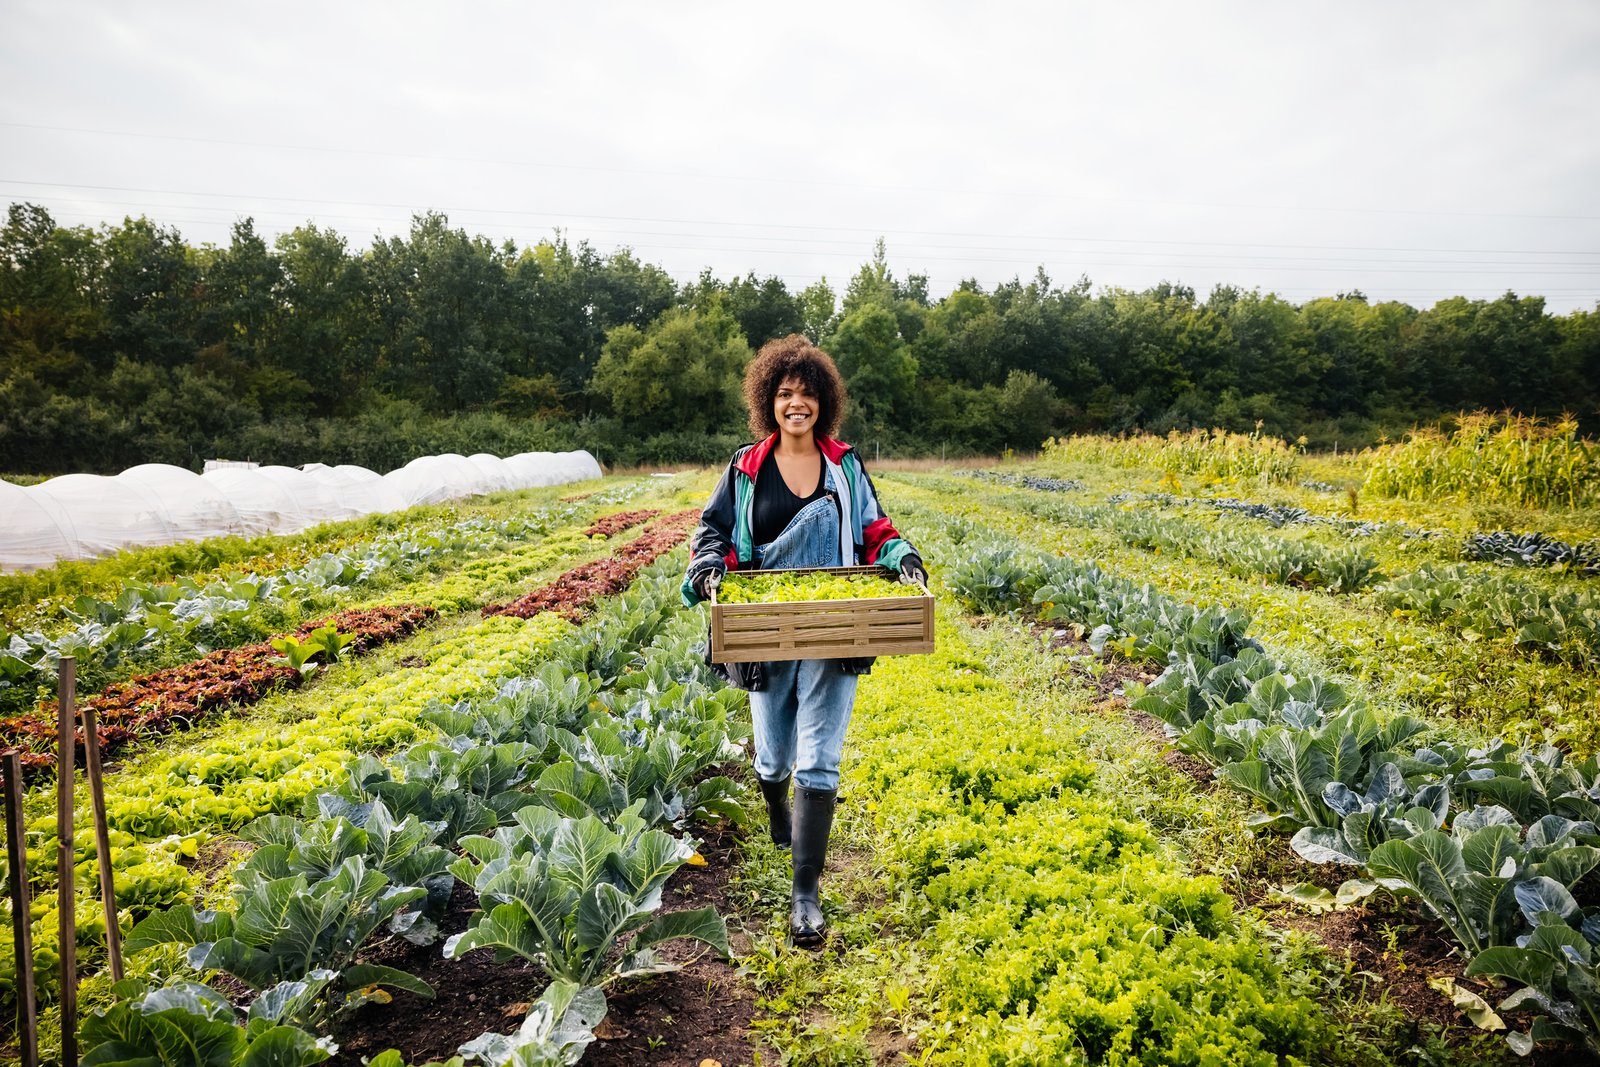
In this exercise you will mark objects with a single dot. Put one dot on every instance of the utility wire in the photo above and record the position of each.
(783, 179)
(901, 250)
(1067, 258)
(876, 231)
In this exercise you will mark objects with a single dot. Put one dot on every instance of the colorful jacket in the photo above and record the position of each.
(725, 536)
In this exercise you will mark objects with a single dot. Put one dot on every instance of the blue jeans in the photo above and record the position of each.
(801, 715)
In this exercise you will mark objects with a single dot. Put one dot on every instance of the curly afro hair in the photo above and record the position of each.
(793, 357)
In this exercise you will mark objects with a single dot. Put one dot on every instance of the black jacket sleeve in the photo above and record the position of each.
(713, 538)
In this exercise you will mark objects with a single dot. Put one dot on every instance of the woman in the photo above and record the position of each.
(799, 498)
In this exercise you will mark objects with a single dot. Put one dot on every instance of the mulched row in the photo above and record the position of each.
(574, 593)
(179, 697)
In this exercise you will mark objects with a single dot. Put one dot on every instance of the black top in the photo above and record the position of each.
(774, 506)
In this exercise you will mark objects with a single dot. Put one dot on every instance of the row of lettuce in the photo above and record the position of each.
(1533, 549)
(158, 623)
(165, 808)
(183, 695)
(1040, 918)
(1475, 675)
(1489, 838)
(558, 791)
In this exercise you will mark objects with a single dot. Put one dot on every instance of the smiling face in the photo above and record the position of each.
(795, 409)
(793, 368)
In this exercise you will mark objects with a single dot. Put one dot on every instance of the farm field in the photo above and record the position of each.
(1238, 764)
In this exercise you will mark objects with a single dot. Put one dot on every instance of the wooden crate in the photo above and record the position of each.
(822, 629)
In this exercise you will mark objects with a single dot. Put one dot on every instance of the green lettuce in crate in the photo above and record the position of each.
(807, 586)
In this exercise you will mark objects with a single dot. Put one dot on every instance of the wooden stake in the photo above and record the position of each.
(66, 720)
(21, 919)
(102, 840)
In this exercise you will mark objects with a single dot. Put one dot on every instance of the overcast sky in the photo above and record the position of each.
(1410, 150)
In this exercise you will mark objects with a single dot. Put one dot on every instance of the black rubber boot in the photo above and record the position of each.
(813, 821)
(776, 795)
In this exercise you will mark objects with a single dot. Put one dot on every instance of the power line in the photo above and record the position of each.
(787, 179)
(876, 231)
(900, 251)
(1065, 258)
(937, 282)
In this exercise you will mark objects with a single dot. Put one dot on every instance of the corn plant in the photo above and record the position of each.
(1214, 454)
(1491, 459)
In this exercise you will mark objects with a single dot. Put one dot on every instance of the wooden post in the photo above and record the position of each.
(66, 721)
(102, 840)
(21, 920)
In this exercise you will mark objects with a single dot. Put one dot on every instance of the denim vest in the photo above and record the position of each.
(810, 540)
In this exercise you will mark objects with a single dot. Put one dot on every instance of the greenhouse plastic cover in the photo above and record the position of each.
(81, 516)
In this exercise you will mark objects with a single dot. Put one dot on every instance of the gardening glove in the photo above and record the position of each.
(707, 580)
(912, 572)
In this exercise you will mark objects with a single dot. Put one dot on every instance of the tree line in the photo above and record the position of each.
(124, 344)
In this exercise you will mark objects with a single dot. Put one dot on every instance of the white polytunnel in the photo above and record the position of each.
(574, 466)
(37, 531)
(80, 516)
(495, 469)
(422, 481)
(263, 505)
(194, 507)
(466, 478)
(107, 515)
(318, 503)
(362, 490)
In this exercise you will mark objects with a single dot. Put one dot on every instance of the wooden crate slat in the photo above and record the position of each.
(827, 629)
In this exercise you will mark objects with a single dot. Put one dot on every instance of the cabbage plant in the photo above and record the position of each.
(566, 892)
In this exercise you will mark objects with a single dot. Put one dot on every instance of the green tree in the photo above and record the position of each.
(818, 306)
(445, 308)
(680, 375)
(50, 298)
(877, 364)
(327, 331)
(151, 278)
(1027, 410)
